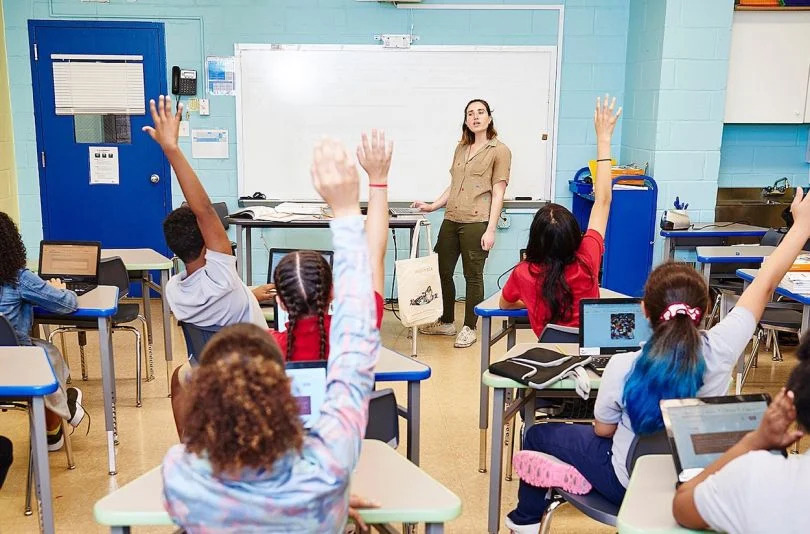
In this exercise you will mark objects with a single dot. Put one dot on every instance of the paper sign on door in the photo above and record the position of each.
(103, 165)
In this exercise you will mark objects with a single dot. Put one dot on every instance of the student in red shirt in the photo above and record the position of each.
(562, 265)
(304, 280)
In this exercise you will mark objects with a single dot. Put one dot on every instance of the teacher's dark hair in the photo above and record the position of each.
(467, 136)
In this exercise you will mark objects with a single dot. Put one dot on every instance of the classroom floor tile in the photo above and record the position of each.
(449, 450)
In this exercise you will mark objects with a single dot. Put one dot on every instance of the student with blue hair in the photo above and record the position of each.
(680, 360)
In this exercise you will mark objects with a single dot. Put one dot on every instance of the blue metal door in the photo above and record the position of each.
(123, 215)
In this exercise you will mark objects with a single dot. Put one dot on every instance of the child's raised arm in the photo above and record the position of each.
(375, 158)
(604, 120)
(165, 133)
(353, 337)
(759, 293)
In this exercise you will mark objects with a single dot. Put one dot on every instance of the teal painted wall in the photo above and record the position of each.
(756, 155)
(594, 52)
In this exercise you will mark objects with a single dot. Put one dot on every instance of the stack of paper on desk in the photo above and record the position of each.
(302, 208)
(263, 213)
(800, 281)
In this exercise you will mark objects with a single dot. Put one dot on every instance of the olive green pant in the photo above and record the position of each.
(461, 239)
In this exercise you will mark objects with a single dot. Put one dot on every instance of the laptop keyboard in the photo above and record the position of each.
(80, 288)
(599, 362)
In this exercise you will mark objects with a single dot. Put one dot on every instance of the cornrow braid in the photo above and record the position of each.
(304, 284)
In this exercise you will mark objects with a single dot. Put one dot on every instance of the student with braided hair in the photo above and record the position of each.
(304, 279)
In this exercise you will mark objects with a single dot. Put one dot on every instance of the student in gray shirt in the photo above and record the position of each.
(209, 292)
(679, 361)
(750, 489)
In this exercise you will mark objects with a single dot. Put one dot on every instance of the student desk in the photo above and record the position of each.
(25, 372)
(101, 303)
(501, 414)
(647, 505)
(707, 233)
(406, 494)
(706, 256)
(139, 261)
(394, 367)
(488, 309)
(244, 249)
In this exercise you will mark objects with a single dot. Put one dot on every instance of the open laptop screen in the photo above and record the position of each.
(308, 388)
(69, 260)
(701, 430)
(612, 325)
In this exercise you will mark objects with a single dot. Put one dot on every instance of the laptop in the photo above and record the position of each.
(308, 388)
(701, 430)
(75, 262)
(609, 326)
(276, 254)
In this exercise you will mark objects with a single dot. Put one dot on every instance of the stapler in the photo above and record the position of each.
(675, 220)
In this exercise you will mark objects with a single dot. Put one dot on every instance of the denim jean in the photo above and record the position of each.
(578, 446)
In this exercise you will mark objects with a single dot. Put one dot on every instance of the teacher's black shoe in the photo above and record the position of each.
(438, 328)
(465, 338)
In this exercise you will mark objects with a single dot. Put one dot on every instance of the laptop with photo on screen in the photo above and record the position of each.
(276, 254)
(76, 263)
(610, 326)
(701, 430)
(308, 388)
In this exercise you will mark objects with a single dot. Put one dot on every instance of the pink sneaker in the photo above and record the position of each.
(545, 471)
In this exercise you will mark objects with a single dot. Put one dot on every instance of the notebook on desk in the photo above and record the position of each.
(609, 326)
(74, 262)
(701, 430)
(308, 387)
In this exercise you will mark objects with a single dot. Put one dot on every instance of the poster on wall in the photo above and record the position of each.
(209, 144)
(220, 72)
(104, 165)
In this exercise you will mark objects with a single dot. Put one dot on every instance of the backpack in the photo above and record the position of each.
(538, 368)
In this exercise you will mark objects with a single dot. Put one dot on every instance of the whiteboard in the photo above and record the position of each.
(289, 96)
(768, 67)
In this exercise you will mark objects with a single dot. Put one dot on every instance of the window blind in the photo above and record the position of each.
(85, 85)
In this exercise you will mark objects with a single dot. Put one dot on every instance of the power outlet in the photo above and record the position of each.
(504, 221)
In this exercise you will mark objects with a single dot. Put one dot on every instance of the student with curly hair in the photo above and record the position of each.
(304, 279)
(245, 462)
(20, 291)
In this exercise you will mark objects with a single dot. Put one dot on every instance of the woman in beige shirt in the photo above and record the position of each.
(472, 203)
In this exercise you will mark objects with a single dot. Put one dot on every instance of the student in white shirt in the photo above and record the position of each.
(679, 361)
(750, 489)
(209, 292)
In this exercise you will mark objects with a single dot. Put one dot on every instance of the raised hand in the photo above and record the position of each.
(604, 118)
(375, 157)
(773, 431)
(167, 124)
(335, 178)
(800, 209)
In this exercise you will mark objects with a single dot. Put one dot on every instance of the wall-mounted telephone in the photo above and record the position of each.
(184, 81)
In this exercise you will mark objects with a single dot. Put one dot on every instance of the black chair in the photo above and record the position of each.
(196, 337)
(554, 333)
(383, 421)
(593, 504)
(8, 338)
(111, 272)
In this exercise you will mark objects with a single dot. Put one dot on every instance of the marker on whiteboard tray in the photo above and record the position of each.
(523, 198)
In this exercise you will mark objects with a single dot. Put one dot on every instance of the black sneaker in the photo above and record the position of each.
(74, 402)
(55, 439)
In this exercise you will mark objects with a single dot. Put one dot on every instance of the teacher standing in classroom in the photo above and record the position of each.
(473, 203)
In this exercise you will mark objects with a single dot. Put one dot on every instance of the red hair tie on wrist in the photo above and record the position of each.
(378, 185)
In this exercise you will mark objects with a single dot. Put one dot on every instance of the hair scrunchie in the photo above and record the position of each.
(681, 308)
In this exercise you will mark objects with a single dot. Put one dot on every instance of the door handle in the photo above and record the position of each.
(154, 178)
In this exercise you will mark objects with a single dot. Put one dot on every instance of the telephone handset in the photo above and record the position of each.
(184, 81)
